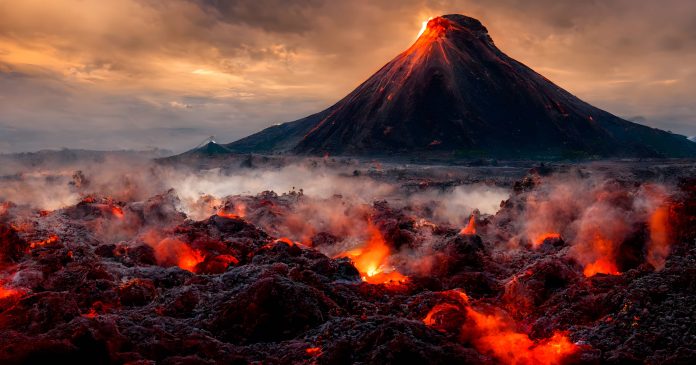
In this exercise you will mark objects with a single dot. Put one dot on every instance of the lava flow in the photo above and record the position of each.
(433, 29)
(492, 333)
(495, 334)
(371, 259)
(605, 264)
(545, 236)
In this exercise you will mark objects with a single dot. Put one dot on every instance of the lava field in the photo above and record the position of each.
(575, 264)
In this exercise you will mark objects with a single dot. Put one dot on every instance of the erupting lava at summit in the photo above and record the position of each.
(434, 29)
(454, 93)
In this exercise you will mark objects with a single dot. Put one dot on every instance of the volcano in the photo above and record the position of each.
(207, 148)
(454, 93)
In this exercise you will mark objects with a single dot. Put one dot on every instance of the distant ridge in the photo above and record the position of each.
(208, 148)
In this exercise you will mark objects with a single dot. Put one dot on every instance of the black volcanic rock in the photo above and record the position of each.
(454, 93)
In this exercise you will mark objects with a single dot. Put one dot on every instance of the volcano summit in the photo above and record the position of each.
(454, 93)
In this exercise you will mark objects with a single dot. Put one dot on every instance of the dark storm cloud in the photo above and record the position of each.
(272, 15)
(141, 73)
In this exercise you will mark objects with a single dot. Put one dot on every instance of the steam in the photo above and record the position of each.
(50, 184)
(603, 219)
(455, 206)
(56, 184)
(315, 182)
(38, 191)
(606, 223)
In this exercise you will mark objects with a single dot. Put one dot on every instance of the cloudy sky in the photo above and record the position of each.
(135, 74)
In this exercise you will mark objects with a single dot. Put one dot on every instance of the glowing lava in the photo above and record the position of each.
(606, 262)
(313, 351)
(438, 315)
(601, 266)
(433, 317)
(188, 258)
(284, 240)
(470, 228)
(173, 252)
(495, 335)
(97, 309)
(543, 237)
(434, 28)
(370, 259)
(8, 292)
(117, 212)
(50, 240)
(239, 212)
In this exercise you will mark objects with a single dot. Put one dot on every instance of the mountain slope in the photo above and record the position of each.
(278, 138)
(455, 93)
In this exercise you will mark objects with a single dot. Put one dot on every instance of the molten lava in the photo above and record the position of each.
(187, 258)
(440, 314)
(238, 212)
(605, 263)
(8, 292)
(433, 29)
(601, 266)
(434, 316)
(50, 240)
(494, 334)
(371, 257)
(173, 252)
(431, 38)
(97, 308)
(284, 240)
(543, 237)
(470, 228)
(117, 212)
(313, 351)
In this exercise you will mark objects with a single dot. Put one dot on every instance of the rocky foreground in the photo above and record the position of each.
(138, 282)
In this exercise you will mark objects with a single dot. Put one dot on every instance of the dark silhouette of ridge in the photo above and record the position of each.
(208, 148)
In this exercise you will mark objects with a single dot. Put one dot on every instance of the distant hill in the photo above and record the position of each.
(66, 155)
(207, 149)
